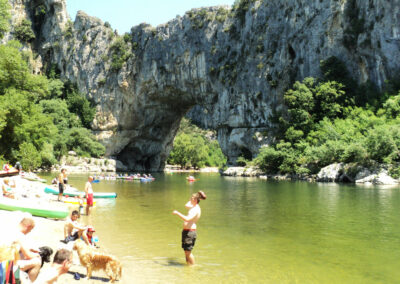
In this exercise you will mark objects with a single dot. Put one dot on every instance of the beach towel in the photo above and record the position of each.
(9, 273)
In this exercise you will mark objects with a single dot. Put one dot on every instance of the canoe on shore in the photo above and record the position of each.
(81, 193)
(35, 208)
(35, 179)
(9, 173)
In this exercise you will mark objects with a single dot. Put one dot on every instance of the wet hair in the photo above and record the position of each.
(200, 196)
(62, 255)
(45, 253)
(63, 170)
(75, 212)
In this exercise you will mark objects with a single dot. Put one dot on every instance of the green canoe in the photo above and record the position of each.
(47, 210)
(81, 193)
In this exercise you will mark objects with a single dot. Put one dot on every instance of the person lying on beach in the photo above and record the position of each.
(61, 264)
(72, 228)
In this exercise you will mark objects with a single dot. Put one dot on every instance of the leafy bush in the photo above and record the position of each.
(82, 141)
(36, 120)
(119, 54)
(23, 31)
(79, 105)
(193, 149)
(5, 16)
(29, 156)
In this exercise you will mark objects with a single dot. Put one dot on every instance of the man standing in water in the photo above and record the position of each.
(189, 234)
(89, 195)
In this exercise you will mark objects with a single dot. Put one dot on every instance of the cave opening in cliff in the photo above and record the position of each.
(246, 153)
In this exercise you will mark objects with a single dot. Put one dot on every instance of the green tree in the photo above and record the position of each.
(193, 147)
(23, 31)
(5, 17)
(23, 122)
(82, 141)
(300, 103)
(79, 105)
(28, 156)
(392, 106)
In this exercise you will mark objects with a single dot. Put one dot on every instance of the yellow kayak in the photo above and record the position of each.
(76, 201)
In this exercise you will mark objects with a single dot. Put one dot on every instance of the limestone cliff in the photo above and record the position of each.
(226, 69)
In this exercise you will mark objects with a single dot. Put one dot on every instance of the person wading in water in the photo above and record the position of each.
(62, 181)
(189, 234)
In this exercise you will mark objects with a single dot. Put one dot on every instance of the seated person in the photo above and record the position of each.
(72, 229)
(61, 264)
(87, 236)
(29, 259)
(7, 188)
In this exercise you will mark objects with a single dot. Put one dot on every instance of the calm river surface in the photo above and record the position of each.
(251, 231)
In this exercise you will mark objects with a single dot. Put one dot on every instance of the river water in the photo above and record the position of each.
(251, 231)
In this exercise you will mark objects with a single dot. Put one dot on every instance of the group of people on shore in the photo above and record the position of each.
(22, 262)
(29, 260)
(62, 182)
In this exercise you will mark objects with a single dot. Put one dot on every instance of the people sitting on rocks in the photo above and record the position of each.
(72, 228)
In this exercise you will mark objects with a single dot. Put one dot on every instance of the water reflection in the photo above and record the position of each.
(252, 230)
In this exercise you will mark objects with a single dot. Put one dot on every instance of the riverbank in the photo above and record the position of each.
(47, 232)
(337, 172)
(178, 169)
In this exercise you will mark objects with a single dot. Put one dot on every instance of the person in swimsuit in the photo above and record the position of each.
(87, 236)
(189, 234)
(89, 195)
(62, 181)
(72, 228)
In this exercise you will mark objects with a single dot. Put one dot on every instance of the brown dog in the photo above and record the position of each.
(94, 260)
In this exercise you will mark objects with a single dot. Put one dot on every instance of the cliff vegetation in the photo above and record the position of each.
(41, 117)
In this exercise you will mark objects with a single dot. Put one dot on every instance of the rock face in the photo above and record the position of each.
(225, 69)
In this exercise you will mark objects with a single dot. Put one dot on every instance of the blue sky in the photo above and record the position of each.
(124, 14)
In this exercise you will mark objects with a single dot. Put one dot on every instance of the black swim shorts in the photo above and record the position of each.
(60, 188)
(188, 239)
(71, 238)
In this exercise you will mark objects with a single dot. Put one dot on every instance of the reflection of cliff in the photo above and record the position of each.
(227, 70)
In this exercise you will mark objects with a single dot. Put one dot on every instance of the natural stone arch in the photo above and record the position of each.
(233, 69)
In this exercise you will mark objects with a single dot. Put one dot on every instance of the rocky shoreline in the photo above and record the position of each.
(338, 172)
